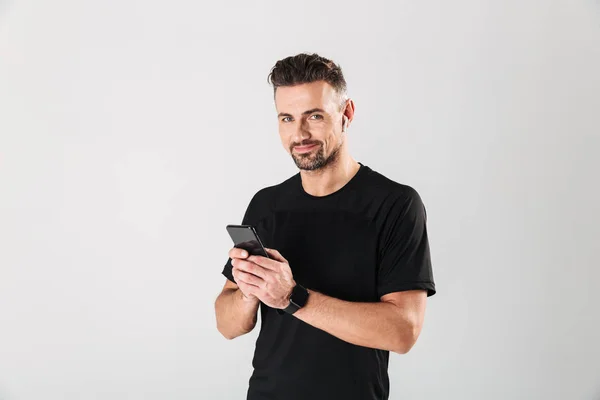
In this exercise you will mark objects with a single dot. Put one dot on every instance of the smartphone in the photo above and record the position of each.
(245, 237)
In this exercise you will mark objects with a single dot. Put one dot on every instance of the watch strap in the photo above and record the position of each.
(298, 299)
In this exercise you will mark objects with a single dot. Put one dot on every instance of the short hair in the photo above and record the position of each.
(307, 68)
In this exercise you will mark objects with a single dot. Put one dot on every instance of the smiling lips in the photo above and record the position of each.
(304, 149)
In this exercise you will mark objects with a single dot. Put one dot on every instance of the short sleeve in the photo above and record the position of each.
(227, 271)
(249, 218)
(404, 258)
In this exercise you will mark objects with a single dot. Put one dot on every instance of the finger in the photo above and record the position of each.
(249, 279)
(274, 254)
(237, 253)
(234, 272)
(238, 277)
(265, 262)
(251, 268)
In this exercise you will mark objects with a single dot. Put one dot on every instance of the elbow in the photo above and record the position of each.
(227, 334)
(224, 333)
(231, 331)
(221, 327)
(403, 347)
(404, 342)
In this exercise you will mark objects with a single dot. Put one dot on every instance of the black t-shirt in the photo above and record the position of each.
(365, 240)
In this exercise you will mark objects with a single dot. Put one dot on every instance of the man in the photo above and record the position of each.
(349, 270)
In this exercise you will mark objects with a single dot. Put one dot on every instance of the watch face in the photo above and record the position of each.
(299, 296)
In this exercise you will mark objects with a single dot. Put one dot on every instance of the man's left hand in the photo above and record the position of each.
(269, 279)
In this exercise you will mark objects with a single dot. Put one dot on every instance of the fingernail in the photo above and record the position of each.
(244, 254)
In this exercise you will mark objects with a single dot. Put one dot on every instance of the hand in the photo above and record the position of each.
(239, 254)
(268, 279)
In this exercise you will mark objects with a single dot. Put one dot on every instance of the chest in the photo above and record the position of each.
(333, 252)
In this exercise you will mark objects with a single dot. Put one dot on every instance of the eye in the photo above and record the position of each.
(316, 116)
(286, 119)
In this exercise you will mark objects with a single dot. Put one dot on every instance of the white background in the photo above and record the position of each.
(132, 132)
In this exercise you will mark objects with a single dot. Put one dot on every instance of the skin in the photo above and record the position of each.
(310, 114)
(323, 128)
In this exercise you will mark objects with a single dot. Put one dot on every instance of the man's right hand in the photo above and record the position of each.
(240, 254)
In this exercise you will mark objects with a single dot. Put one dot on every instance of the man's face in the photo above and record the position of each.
(310, 123)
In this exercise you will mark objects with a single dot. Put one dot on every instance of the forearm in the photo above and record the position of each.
(379, 325)
(235, 316)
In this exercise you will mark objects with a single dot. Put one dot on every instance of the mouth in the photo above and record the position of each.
(305, 149)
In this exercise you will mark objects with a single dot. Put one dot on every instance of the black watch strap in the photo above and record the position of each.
(298, 299)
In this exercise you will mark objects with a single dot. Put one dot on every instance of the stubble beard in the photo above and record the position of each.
(317, 160)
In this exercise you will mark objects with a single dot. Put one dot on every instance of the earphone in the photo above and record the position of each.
(344, 124)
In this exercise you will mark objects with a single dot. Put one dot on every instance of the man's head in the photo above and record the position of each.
(313, 109)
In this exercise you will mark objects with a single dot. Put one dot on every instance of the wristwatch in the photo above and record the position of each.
(298, 299)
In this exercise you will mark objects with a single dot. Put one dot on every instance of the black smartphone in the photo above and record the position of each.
(245, 237)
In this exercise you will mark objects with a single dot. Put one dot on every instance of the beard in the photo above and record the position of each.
(315, 160)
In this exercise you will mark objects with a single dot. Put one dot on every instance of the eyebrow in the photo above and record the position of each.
(307, 112)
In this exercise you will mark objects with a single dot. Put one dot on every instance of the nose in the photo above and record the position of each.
(301, 132)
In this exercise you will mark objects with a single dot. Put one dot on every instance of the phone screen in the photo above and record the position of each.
(245, 237)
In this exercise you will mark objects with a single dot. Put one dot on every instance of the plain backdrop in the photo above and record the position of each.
(132, 132)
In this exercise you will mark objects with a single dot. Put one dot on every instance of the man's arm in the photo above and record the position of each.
(236, 314)
(393, 324)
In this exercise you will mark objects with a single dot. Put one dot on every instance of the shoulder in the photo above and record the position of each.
(264, 202)
(267, 197)
(400, 209)
(390, 191)
(392, 200)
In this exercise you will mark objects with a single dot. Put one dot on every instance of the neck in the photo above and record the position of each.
(330, 178)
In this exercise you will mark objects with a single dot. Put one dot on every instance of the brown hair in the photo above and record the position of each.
(307, 68)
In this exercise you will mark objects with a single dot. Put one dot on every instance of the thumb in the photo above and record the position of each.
(275, 255)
